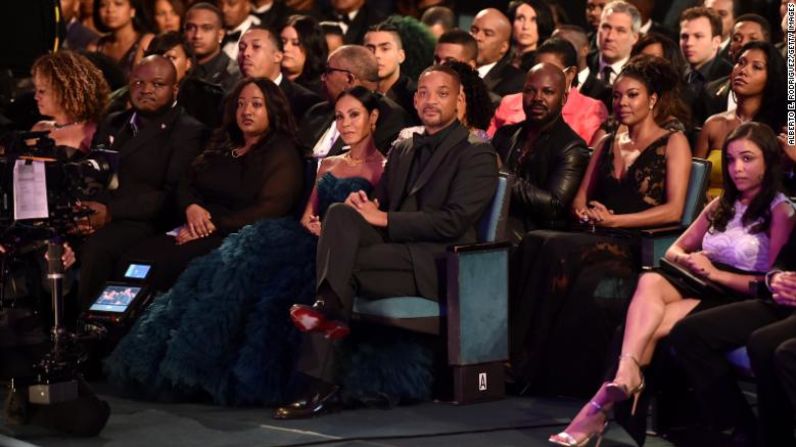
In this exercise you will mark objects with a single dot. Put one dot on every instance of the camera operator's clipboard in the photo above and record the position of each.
(30, 190)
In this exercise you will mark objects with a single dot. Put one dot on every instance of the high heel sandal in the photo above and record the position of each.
(618, 392)
(568, 440)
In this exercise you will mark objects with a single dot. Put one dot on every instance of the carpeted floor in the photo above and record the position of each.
(509, 422)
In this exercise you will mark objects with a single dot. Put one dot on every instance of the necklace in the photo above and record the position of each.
(61, 126)
(357, 161)
(239, 152)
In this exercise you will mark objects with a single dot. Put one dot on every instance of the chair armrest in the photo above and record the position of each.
(477, 303)
(663, 231)
(655, 242)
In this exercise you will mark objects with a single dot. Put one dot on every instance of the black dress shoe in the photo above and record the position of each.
(324, 398)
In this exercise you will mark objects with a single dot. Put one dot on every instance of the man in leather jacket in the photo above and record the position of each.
(548, 159)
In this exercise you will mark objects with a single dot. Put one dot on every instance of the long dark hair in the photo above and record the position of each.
(671, 50)
(772, 107)
(476, 96)
(140, 24)
(760, 206)
(544, 17)
(229, 136)
(313, 42)
(659, 77)
(369, 99)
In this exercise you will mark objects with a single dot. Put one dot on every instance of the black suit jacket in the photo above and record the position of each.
(444, 204)
(366, 17)
(151, 163)
(597, 89)
(403, 93)
(299, 97)
(392, 118)
(275, 17)
(711, 100)
(504, 78)
(545, 182)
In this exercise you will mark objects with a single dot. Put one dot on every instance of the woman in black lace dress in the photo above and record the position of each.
(637, 177)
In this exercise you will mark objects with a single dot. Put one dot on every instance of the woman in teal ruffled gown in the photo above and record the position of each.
(222, 331)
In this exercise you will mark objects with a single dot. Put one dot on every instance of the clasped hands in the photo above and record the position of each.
(783, 288)
(98, 218)
(596, 214)
(198, 224)
(368, 209)
(698, 263)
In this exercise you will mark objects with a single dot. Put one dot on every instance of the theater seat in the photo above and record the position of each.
(473, 312)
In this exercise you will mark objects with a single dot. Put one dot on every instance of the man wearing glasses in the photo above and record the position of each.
(348, 66)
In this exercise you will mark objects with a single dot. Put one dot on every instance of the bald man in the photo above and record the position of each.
(347, 67)
(156, 141)
(492, 32)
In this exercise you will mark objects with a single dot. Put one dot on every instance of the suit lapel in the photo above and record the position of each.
(439, 154)
(403, 162)
(145, 135)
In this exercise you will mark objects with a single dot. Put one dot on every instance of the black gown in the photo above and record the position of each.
(570, 290)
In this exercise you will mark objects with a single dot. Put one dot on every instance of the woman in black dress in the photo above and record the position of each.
(636, 178)
(126, 39)
(250, 170)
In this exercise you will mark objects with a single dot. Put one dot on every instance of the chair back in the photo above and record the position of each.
(697, 190)
(492, 226)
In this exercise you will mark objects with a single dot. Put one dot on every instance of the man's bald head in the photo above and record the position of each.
(153, 84)
(349, 66)
(492, 31)
(544, 94)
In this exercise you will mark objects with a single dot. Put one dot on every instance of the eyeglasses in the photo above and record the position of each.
(327, 70)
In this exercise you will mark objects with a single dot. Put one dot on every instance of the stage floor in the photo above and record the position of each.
(510, 422)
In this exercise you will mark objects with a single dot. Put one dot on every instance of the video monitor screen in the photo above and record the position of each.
(115, 298)
(137, 271)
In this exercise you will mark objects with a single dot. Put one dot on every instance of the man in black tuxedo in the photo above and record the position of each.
(727, 10)
(386, 44)
(586, 81)
(156, 141)
(620, 27)
(434, 189)
(346, 67)
(260, 56)
(700, 37)
(204, 30)
(354, 17)
(492, 32)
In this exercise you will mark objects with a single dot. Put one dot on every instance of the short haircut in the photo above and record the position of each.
(359, 60)
(273, 36)
(207, 7)
(463, 38)
(561, 48)
(439, 15)
(697, 12)
(443, 69)
(760, 20)
(736, 7)
(388, 27)
(623, 7)
(164, 42)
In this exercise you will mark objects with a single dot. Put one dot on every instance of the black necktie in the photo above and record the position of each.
(423, 145)
(607, 74)
(230, 37)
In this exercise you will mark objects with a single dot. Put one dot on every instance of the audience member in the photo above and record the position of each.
(618, 32)
(645, 9)
(751, 213)
(173, 46)
(632, 181)
(386, 246)
(168, 15)
(72, 92)
(78, 35)
(583, 114)
(386, 44)
(765, 326)
(156, 140)
(333, 34)
(250, 170)
(204, 30)
(260, 56)
(758, 83)
(492, 32)
(237, 19)
(354, 18)
(456, 45)
(347, 67)
(545, 155)
(273, 14)
(727, 10)
(439, 20)
(418, 44)
(263, 268)
(305, 52)
(586, 81)
(532, 24)
(700, 37)
(594, 13)
(659, 45)
(125, 39)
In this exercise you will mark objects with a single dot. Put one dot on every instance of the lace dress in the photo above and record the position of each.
(222, 332)
(569, 290)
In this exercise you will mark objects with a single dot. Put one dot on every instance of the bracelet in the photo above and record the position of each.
(769, 277)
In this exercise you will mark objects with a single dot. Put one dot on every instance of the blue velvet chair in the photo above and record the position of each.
(472, 314)
(655, 241)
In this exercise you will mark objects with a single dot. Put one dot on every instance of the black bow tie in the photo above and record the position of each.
(231, 37)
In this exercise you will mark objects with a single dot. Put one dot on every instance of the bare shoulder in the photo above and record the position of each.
(43, 125)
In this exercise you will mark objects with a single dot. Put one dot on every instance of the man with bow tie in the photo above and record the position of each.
(435, 187)
(204, 31)
(237, 19)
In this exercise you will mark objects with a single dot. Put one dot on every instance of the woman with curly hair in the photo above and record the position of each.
(734, 241)
(532, 23)
(305, 51)
(72, 92)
